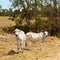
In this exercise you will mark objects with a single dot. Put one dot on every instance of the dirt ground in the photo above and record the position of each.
(8, 47)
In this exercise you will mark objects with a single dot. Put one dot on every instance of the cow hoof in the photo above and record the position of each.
(19, 52)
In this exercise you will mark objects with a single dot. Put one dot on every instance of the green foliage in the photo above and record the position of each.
(0, 8)
(46, 16)
(58, 35)
(2, 32)
(42, 24)
(12, 28)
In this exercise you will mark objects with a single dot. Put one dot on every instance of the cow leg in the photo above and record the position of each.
(26, 43)
(19, 46)
(40, 45)
(22, 46)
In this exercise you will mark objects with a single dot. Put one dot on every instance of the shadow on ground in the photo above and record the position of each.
(11, 52)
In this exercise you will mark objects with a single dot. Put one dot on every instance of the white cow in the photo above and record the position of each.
(21, 37)
(34, 36)
(46, 33)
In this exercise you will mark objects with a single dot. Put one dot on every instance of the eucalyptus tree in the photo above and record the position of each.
(0, 7)
(36, 6)
(51, 7)
(24, 6)
(0, 10)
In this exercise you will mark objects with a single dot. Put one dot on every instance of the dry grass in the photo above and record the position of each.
(8, 47)
(5, 22)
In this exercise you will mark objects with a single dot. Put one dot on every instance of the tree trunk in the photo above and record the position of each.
(28, 21)
(36, 14)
